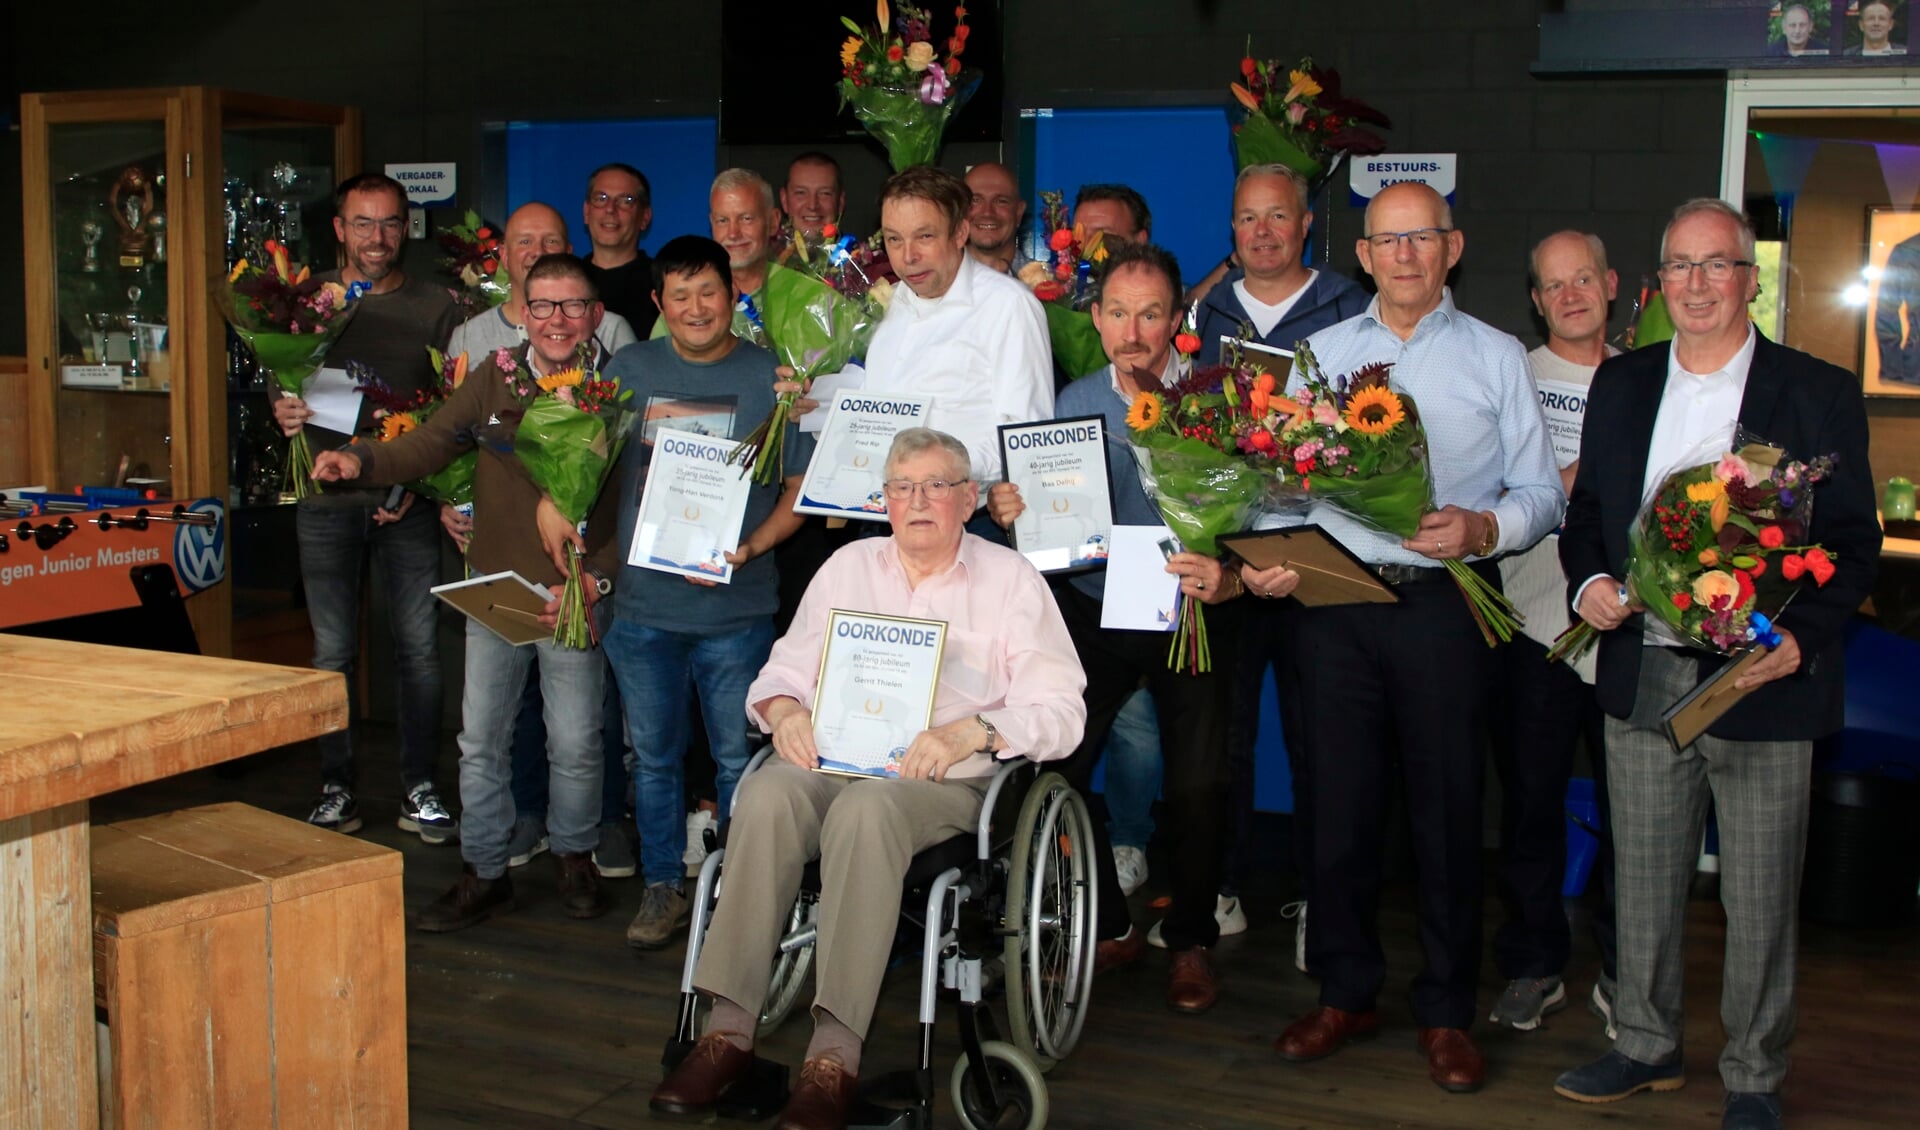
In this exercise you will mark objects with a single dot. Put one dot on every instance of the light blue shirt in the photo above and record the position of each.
(1489, 448)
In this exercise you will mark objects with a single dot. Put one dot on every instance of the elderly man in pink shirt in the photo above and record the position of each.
(1010, 686)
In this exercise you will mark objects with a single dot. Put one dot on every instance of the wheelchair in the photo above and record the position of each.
(1021, 888)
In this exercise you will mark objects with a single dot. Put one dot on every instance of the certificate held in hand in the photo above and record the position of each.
(691, 508)
(1061, 469)
(877, 680)
(850, 459)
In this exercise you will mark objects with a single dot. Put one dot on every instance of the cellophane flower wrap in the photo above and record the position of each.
(817, 316)
(289, 318)
(470, 252)
(1065, 286)
(1296, 116)
(1357, 444)
(397, 415)
(1188, 442)
(1719, 548)
(898, 84)
(570, 435)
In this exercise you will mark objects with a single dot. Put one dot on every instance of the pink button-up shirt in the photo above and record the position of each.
(1008, 655)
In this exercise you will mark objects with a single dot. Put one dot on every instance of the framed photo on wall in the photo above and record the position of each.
(1890, 339)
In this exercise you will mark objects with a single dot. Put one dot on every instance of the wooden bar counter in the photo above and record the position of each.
(80, 721)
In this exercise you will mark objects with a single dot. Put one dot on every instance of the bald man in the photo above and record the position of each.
(533, 230)
(1403, 688)
(997, 216)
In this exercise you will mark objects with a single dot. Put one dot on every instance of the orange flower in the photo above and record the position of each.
(459, 371)
(1146, 411)
(1374, 411)
(396, 424)
(1060, 240)
(1285, 406)
(1718, 515)
(1187, 343)
(565, 378)
(1303, 86)
(1246, 97)
(1265, 382)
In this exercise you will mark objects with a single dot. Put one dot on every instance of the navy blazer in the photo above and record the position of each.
(1796, 402)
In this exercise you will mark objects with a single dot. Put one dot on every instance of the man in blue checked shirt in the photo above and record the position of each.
(1407, 683)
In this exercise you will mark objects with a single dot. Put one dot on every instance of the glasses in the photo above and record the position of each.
(363, 227)
(544, 307)
(934, 489)
(1423, 239)
(626, 201)
(1718, 270)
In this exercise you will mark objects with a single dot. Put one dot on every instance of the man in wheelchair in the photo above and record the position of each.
(1010, 685)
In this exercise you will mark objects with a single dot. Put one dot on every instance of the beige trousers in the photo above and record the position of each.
(865, 833)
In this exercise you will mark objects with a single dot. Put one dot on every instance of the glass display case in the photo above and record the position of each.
(137, 203)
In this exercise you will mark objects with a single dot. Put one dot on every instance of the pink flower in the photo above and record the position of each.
(1326, 413)
(1295, 113)
(294, 326)
(1732, 468)
(503, 360)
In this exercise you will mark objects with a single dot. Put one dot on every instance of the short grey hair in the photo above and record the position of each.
(1301, 187)
(1711, 205)
(1594, 247)
(736, 179)
(916, 441)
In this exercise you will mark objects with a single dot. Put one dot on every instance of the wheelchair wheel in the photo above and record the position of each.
(790, 969)
(1051, 905)
(1016, 1079)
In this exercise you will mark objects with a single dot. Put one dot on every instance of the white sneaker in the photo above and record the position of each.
(1226, 912)
(1131, 863)
(700, 826)
(1298, 912)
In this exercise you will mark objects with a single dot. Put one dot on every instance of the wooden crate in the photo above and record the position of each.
(298, 936)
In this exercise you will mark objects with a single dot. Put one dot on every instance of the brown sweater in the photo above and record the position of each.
(483, 413)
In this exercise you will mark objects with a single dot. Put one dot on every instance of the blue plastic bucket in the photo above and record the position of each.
(1583, 842)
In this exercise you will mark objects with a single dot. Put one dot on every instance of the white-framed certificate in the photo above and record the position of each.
(850, 457)
(877, 680)
(691, 507)
(1259, 354)
(1061, 469)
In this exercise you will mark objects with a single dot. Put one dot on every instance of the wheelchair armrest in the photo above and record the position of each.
(1002, 773)
(758, 759)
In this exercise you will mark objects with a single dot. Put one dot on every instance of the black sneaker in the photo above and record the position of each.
(471, 900)
(422, 812)
(581, 895)
(336, 811)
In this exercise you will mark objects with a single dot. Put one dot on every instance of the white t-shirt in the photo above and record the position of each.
(1263, 316)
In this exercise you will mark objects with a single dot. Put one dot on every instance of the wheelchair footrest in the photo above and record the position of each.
(759, 1096)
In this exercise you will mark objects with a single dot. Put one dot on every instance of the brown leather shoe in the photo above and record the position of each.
(821, 1100)
(581, 895)
(1324, 1031)
(1453, 1060)
(1192, 987)
(711, 1067)
(471, 899)
(1112, 953)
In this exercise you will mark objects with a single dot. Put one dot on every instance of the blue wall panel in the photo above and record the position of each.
(550, 162)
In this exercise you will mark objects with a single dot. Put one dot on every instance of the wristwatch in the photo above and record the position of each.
(1492, 541)
(992, 734)
(601, 584)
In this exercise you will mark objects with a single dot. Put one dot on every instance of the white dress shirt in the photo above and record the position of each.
(980, 352)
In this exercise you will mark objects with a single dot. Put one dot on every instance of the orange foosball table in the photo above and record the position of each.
(84, 720)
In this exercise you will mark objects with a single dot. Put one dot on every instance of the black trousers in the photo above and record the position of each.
(1266, 642)
(1193, 713)
(1396, 687)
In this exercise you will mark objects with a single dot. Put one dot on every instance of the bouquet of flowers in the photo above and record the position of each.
(1716, 552)
(1296, 116)
(1064, 284)
(472, 255)
(569, 440)
(1359, 445)
(289, 319)
(897, 84)
(817, 316)
(397, 415)
(1195, 446)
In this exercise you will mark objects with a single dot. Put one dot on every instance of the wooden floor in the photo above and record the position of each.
(535, 1020)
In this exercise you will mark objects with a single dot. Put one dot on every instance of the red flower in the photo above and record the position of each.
(1793, 566)
(1049, 291)
(1683, 601)
(1820, 565)
(895, 54)
(960, 13)
(1061, 239)
(962, 32)
(483, 233)
(1759, 568)
(488, 266)
(953, 65)
(1304, 466)
(1248, 66)
(1745, 584)
(1186, 343)
(1772, 537)
(955, 45)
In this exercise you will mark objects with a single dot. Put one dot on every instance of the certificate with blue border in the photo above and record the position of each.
(877, 680)
(850, 458)
(1061, 469)
(691, 508)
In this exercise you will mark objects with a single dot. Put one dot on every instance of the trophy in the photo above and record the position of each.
(131, 200)
(136, 345)
(91, 233)
(157, 233)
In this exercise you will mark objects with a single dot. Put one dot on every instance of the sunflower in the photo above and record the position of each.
(562, 379)
(396, 424)
(1146, 412)
(1374, 411)
(1707, 491)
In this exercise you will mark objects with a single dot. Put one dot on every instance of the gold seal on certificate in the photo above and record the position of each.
(843, 480)
(877, 680)
(1060, 467)
(691, 509)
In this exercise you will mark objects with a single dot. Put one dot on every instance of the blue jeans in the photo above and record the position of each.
(334, 544)
(572, 689)
(658, 672)
(1133, 771)
(530, 756)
